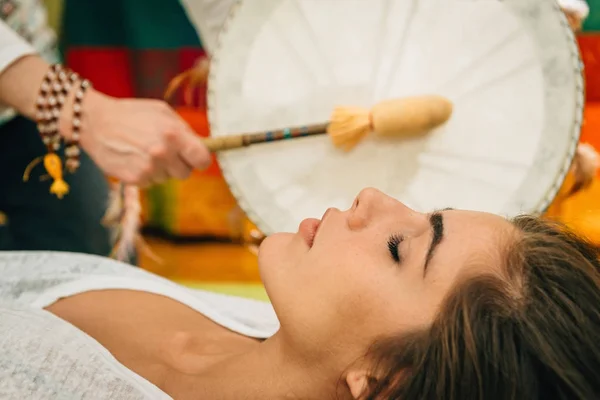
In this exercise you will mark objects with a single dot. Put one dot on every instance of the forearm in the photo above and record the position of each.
(20, 87)
(21, 72)
(20, 84)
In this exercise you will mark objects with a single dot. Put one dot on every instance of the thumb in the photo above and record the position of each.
(192, 150)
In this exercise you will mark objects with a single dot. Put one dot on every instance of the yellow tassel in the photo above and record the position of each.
(195, 77)
(175, 84)
(30, 167)
(53, 165)
(59, 188)
(397, 117)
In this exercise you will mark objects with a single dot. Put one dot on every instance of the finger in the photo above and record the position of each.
(158, 173)
(178, 168)
(165, 159)
(150, 171)
(144, 184)
(169, 160)
(192, 150)
(159, 176)
(160, 154)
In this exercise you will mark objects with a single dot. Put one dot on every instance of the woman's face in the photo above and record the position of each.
(377, 269)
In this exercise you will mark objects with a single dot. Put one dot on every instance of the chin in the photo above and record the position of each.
(275, 247)
(275, 252)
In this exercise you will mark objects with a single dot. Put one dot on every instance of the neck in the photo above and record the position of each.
(266, 371)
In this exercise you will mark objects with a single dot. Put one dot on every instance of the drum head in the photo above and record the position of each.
(511, 68)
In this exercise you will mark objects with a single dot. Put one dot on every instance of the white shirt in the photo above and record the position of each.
(45, 357)
(24, 30)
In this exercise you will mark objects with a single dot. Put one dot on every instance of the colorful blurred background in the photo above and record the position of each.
(134, 48)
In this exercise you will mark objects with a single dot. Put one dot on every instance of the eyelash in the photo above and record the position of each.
(393, 243)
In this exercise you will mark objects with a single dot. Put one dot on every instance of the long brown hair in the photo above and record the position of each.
(533, 333)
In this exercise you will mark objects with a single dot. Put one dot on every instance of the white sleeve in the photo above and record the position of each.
(208, 17)
(12, 46)
(579, 7)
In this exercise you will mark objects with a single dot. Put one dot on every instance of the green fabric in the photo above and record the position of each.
(247, 290)
(134, 24)
(592, 24)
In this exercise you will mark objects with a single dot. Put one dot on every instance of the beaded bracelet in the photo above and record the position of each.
(55, 88)
(45, 109)
(72, 151)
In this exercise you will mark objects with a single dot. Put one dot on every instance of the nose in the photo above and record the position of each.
(372, 205)
(374, 198)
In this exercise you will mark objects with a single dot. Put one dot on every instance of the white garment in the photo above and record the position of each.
(208, 17)
(579, 7)
(24, 30)
(44, 357)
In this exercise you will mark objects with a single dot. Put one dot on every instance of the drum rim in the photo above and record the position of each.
(543, 204)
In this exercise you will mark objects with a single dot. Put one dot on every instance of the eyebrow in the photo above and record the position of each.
(436, 220)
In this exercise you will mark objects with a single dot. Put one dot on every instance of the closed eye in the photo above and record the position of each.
(393, 246)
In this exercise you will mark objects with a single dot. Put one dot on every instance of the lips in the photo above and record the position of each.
(309, 227)
(308, 230)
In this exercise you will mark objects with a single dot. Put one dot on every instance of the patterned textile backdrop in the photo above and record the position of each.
(132, 48)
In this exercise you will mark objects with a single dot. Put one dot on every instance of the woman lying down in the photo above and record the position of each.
(375, 302)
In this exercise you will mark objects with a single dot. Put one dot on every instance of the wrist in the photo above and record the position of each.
(72, 106)
(20, 84)
(76, 113)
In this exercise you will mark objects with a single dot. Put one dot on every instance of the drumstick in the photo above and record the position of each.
(220, 143)
(349, 125)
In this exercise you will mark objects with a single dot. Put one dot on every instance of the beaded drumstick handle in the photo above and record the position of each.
(216, 144)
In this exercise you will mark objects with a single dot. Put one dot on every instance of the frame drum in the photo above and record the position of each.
(511, 67)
